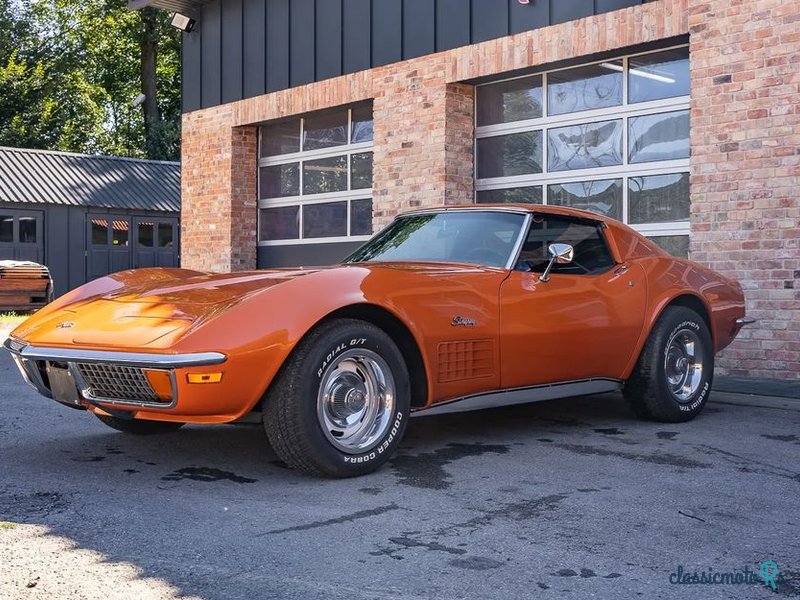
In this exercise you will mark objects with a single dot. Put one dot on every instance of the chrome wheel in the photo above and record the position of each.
(356, 400)
(683, 364)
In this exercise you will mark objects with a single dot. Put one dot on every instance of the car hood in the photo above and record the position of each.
(153, 308)
(145, 308)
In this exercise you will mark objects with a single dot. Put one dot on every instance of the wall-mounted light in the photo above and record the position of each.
(524, 1)
(182, 22)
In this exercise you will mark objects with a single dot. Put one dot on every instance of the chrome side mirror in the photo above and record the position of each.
(560, 254)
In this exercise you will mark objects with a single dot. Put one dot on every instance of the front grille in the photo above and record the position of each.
(116, 382)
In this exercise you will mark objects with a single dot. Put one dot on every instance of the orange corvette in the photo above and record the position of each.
(445, 310)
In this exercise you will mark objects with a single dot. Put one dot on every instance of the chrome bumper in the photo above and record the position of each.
(31, 360)
(741, 322)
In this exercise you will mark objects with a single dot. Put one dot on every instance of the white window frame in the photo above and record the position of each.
(624, 171)
(301, 199)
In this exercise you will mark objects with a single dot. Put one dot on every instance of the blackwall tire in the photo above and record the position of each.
(672, 379)
(340, 404)
(139, 426)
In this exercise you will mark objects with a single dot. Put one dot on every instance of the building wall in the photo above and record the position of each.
(745, 135)
(245, 48)
(65, 240)
(745, 165)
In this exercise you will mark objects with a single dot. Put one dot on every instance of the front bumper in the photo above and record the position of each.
(116, 378)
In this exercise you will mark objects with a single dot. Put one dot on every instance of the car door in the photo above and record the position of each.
(583, 322)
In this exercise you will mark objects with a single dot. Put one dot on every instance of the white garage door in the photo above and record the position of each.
(610, 136)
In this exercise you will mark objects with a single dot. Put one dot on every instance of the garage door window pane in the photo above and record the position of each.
(165, 235)
(6, 229)
(585, 88)
(585, 146)
(526, 195)
(361, 217)
(325, 175)
(279, 223)
(676, 245)
(27, 230)
(325, 220)
(280, 138)
(658, 198)
(508, 155)
(145, 233)
(509, 101)
(99, 232)
(325, 130)
(119, 235)
(361, 171)
(658, 75)
(362, 124)
(664, 136)
(280, 180)
(602, 197)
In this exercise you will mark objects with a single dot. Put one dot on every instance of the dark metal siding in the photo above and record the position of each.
(243, 48)
(356, 38)
(562, 11)
(419, 33)
(452, 24)
(210, 43)
(254, 70)
(329, 38)
(302, 44)
(232, 30)
(277, 45)
(489, 19)
(387, 34)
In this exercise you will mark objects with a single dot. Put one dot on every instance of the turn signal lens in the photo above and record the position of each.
(161, 383)
(204, 377)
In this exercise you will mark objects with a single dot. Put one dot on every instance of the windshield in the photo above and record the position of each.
(470, 236)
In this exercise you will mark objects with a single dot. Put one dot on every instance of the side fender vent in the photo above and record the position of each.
(469, 359)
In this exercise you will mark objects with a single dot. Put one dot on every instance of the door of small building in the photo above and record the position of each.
(119, 242)
(109, 244)
(22, 235)
(155, 242)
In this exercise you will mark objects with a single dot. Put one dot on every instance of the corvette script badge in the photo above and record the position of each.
(65, 325)
(462, 322)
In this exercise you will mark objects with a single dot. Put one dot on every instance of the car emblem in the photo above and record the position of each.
(459, 321)
(65, 325)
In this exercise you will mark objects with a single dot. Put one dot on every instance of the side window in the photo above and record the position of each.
(586, 237)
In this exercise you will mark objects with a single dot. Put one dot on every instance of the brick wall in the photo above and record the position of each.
(745, 137)
(423, 127)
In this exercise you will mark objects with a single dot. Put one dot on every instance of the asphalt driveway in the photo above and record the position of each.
(567, 499)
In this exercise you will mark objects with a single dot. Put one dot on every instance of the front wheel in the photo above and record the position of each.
(340, 404)
(672, 380)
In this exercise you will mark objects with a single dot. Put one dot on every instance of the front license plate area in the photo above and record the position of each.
(62, 385)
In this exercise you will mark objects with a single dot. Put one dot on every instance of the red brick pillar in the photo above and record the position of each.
(745, 128)
(423, 138)
(218, 192)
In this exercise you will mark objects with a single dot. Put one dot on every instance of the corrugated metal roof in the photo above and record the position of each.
(186, 7)
(45, 177)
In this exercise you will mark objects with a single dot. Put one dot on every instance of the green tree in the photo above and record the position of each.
(70, 69)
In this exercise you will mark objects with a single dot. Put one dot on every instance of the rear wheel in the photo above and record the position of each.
(339, 406)
(672, 379)
(139, 426)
